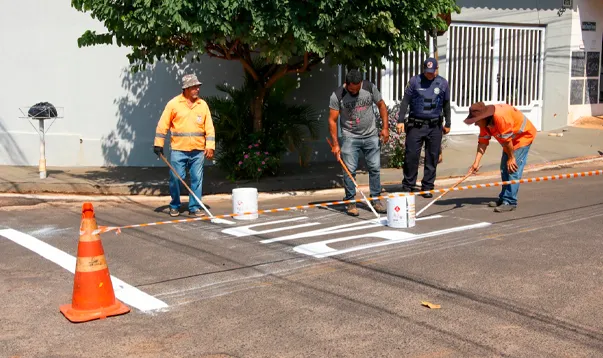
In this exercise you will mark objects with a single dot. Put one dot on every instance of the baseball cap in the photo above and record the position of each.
(430, 65)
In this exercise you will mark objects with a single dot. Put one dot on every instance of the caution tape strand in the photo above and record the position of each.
(118, 229)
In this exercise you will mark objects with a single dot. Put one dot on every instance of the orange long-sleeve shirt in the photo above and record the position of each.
(509, 125)
(191, 127)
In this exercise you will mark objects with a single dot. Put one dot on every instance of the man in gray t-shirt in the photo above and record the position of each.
(353, 104)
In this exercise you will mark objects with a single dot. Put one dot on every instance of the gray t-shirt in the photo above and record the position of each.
(356, 115)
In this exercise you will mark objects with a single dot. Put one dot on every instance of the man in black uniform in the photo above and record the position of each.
(428, 95)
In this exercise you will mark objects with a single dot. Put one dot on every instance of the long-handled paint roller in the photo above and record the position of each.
(446, 192)
(355, 184)
(213, 220)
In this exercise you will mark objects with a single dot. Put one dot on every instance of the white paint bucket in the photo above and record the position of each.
(401, 211)
(245, 200)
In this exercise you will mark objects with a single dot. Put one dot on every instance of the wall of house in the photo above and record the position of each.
(557, 44)
(109, 114)
(585, 71)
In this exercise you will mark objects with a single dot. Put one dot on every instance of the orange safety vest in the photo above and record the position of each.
(191, 127)
(509, 124)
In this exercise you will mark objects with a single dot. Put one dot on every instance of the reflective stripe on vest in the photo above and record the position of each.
(512, 135)
(188, 134)
(523, 125)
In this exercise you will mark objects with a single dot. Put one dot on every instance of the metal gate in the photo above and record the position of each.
(392, 80)
(495, 64)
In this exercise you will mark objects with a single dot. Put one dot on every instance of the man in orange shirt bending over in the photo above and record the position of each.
(193, 139)
(515, 133)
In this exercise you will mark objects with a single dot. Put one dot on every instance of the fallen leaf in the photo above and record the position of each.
(430, 305)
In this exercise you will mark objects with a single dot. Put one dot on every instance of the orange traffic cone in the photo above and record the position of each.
(93, 295)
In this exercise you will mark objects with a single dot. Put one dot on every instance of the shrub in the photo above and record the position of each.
(286, 127)
(253, 163)
(393, 150)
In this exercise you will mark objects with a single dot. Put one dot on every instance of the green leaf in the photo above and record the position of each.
(348, 31)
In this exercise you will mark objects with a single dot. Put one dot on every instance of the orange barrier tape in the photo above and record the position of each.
(118, 229)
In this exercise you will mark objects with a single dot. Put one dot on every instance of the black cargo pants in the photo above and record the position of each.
(417, 135)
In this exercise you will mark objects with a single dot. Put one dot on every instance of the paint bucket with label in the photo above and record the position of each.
(401, 211)
(245, 200)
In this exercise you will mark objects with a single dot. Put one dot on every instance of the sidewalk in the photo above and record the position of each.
(576, 143)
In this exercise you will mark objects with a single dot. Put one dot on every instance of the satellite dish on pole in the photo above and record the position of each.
(41, 112)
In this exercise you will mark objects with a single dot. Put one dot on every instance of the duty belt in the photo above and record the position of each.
(423, 121)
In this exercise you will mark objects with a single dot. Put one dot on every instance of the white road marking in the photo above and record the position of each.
(241, 231)
(337, 229)
(321, 249)
(429, 217)
(325, 231)
(123, 292)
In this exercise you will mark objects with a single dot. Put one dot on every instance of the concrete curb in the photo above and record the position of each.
(443, 182)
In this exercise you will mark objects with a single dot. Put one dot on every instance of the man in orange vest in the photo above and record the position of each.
(193, 140)
(515, 133)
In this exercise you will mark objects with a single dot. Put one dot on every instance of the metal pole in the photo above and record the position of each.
(435, 45)
(42, 151)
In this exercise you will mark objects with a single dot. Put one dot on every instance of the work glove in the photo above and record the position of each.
(158, 150)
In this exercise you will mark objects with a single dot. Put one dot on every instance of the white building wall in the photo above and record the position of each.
(585, 43)
(109, 114)
(557, 44)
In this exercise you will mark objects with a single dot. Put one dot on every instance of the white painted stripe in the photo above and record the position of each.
(127, 294)
(322, 250)
(41, 248)
(359, 225)
(429, 217)
(355, 226)
(241, 231)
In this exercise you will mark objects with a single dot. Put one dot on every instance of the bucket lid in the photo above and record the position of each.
(245, 189)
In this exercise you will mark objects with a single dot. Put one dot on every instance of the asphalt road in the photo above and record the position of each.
(317, 283)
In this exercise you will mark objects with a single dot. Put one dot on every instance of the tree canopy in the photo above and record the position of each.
(290, 36)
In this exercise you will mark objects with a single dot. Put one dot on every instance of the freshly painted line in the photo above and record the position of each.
(337, 229)
(429, 217)
(124, 292)
(325, 231)
(241, 231)
(384, 221)
(41, 248)
(321, 249)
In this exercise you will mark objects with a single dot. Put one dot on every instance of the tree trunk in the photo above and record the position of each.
(257, 108)
(264, 82)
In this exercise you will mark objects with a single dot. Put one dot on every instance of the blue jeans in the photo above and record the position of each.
(193, 161)
(508, 194)
(350, 153)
